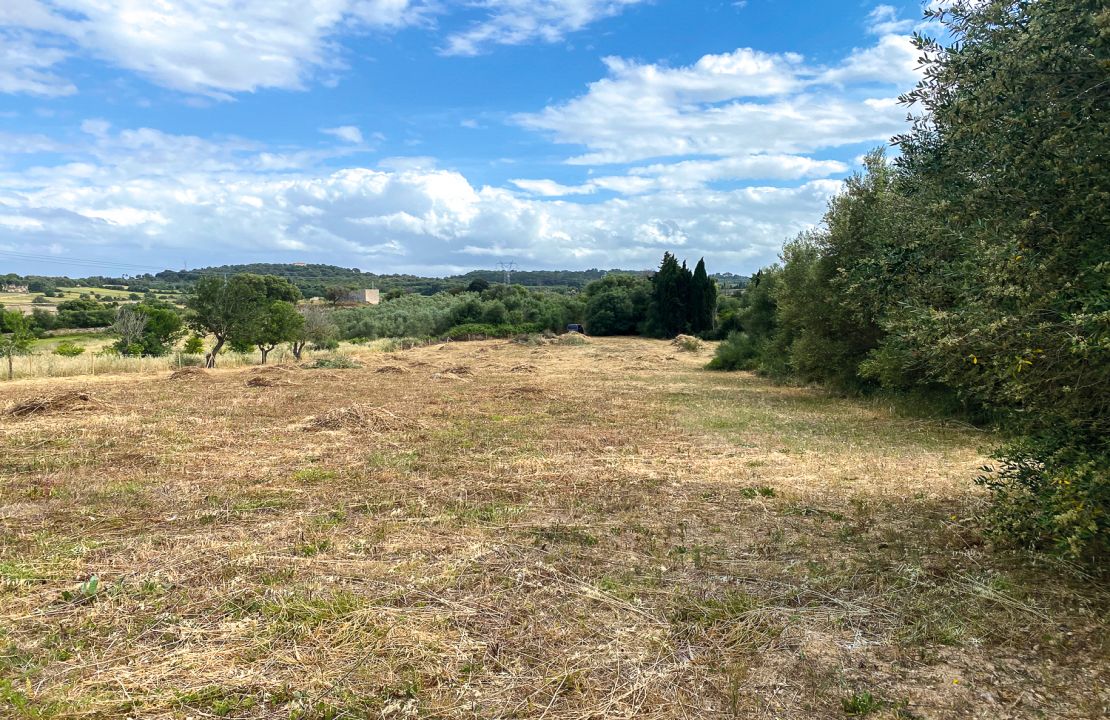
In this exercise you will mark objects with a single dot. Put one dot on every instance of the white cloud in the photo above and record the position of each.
(197, 46)
(347, 133)
(725, 158)
(215, 49)
(737, 104)
(515, 22)
(884, 20)
(134, 191)
(26, 67)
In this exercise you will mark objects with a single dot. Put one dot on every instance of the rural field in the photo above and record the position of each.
(501, 530)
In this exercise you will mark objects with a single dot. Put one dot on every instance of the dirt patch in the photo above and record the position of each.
(67, 402)
(360, 418)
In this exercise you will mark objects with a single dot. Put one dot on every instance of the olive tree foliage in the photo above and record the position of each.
(1007, 163)
(237, 308)
(16, 339)
(279, 322)
(974, 267)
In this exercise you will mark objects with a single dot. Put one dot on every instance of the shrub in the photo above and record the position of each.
(406, 343)
(336, 362)
(68, 349)
(739, 351)
(1052, 492)
(193, 346)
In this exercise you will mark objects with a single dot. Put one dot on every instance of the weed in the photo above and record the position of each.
(862, 704)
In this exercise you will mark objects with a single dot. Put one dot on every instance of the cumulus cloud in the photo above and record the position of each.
(515, 22)
(217, 49)
(197, 46)
(737, 104)
(134, 190)
(725, 157)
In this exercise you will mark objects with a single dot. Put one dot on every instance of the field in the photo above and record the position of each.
(24, 301)
(497, 530)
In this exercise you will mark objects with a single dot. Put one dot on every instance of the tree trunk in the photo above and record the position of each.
(265, 351)
(297, 348)
(210, 358)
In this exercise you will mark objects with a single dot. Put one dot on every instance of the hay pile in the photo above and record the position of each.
(686, 343)
(359, 418)
(188, 372)
(526, 368)
(459, 370)
(73, 401)
(270, 376)
(267, 381)
(391, 370)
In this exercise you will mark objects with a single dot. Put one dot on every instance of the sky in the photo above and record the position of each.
(434, 136)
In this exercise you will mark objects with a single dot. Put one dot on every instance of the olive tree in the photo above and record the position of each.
(236, 308)
(17, 340)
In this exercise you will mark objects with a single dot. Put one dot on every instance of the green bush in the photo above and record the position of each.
(336, 362)
(1052, 492)
(67, 348)
(737, 352)
(193, 346)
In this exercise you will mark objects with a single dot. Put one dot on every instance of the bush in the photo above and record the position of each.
(407, 343)
(336, 362)
(1052, 492)
(738, 352)
(193, 346)
(68, 349)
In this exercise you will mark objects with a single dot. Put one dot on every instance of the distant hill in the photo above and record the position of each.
(313, 279)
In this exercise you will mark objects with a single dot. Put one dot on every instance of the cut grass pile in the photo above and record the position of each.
(66, 402)
(609, 532)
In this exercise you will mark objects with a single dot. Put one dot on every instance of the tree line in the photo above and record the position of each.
(971, 271)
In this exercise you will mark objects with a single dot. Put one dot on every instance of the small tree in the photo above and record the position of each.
(335, 293)
(280, 323)
(317, 330)
(129, 325)
(221, 307)
(18, 339)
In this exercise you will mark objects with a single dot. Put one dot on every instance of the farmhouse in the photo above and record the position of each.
(361, 297)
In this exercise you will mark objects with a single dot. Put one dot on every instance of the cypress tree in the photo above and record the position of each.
(703, 300)
(667, 314)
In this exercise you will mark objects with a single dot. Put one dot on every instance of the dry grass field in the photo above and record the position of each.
(494, 530)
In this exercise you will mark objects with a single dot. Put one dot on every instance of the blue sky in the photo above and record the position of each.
(432, 136)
